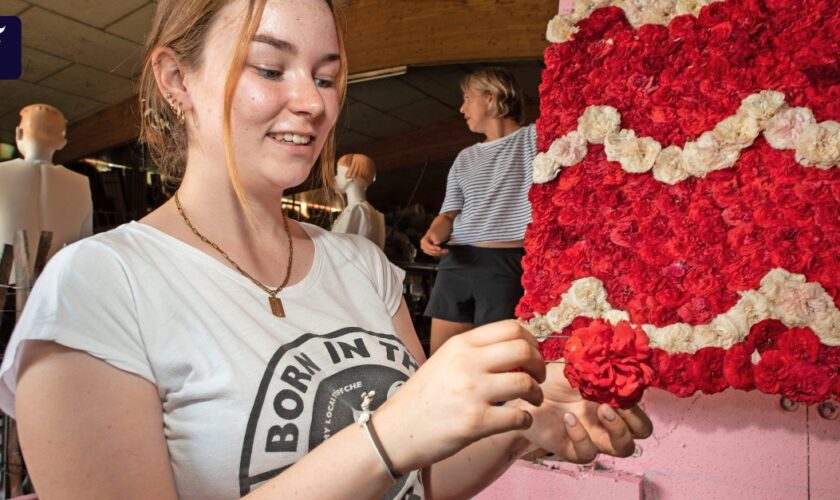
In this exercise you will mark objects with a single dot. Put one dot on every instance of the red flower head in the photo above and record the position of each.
(807, 384)
(609, 364)
(772, 371)
(800, 343)
(708, 370)
(674, 373)
(738, 368)
(765, 334)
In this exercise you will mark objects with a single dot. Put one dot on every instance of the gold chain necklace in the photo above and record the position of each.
(273, 302)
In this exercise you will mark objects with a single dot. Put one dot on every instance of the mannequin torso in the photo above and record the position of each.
(39, 196)
(359, 217)
(36, 195)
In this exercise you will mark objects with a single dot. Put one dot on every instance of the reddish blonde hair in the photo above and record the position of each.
(182, 26)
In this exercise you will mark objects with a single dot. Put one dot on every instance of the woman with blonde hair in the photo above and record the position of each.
(216, 349)
(479, 233)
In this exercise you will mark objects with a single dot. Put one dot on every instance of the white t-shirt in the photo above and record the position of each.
(244, 394)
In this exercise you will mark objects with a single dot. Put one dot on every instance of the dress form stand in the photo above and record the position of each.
(25, 275)
(354, 173)
(36, 195)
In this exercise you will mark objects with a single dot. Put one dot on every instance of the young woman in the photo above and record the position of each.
(485, 211)
(216, 349)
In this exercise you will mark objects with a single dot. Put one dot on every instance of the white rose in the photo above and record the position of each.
(545, 168)
(568, 150)
(819, 145)
(633, 11)
(801, 304)
(659, 11)
(707, 154)
(673, 339)
(729, 329)
(738, 130)
(537, 326)
(751, 308)
(704, 336)
(614, 316)
(560, 29)
(588, 295)
(561, 316)
(785, 128)
(636, 154)
(762, 106)
(669, 166)
(582, 8)
(827, 328)
(597, 122)
(777, 280)
(692, 6)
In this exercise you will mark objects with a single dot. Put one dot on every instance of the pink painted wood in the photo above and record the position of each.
(730, 445)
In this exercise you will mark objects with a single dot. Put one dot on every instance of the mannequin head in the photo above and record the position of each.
(41, 132)
(355, 169)
(491, 94)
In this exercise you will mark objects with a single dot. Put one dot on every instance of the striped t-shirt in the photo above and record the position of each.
(489, 184)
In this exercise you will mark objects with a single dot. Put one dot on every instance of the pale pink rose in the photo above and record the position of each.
(568, 150)
(784, 129)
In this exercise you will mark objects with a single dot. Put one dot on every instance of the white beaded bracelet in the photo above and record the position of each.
(367, 424)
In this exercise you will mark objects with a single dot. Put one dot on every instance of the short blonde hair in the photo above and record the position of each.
(500, 83)
(359, 166)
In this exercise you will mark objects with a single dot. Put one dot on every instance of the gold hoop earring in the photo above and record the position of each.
(179, 113)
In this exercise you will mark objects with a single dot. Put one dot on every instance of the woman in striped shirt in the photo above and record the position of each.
(481, 227)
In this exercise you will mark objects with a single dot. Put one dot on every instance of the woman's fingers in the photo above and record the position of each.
(494, 333)
(621, 440)
(637, 421)
(583, 450)
(498, 419)
(509, 386)
(512, 354)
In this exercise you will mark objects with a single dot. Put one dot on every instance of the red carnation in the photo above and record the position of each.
(674, 373)
(772, 371)
(764, 334)
(738, 367)
(552, 348)
(609, 364)
(807, 384)
(800, 343)
(708, 370)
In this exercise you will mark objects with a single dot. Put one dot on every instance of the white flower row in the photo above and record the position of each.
(782, 296)
(638, 12)
(816, 144)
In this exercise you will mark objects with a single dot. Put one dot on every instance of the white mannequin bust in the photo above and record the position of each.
(354, 173)
(36, 195)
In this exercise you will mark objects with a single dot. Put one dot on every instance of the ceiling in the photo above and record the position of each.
(83, 56)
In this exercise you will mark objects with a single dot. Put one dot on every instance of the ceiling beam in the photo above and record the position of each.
(381, 34)
(387, 33)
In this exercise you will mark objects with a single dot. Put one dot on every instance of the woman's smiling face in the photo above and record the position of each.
(286, 101)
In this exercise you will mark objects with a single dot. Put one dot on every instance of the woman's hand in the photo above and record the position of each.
(439, 233)
(449, 402)
(577, 430)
